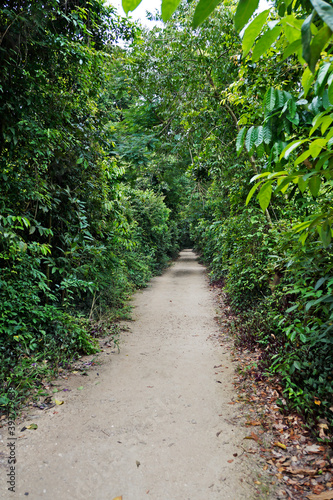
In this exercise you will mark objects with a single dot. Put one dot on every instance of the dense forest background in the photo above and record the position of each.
(120, 145)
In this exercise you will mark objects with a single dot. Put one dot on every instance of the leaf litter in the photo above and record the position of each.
(298, 465)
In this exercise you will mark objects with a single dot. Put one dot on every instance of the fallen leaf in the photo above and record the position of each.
(253, 422)
(253, 436)
(138, 463)
(57, 402)
(257, 482)
(230, 461)
(317, 402)
(314, 448)
(322, 434)
(322, 428)
(325, 495)
(32, 426)
(55, 390)
(307, 472)
(118, 498)
(80, 388)
(280, 445)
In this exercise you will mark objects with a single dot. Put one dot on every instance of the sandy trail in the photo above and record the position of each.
(152, 422)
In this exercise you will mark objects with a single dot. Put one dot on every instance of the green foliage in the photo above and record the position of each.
(75, 238)
(168, 8)
(202, 11)
(112, 158)
(244, 11)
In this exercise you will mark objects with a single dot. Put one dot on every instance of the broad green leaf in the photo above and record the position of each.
(265, 42)
(291, 107)
(292, 27)
(245, 9)
(317, 121)
(292, 308)
(322, 73)
(260, 136)
(267, 134)
(325, 234)
(252, 31)
(292, 48)
(270, 99)
(273, 175)
(250, 139)
(303, 237)
(310, 174)
(322, 159)
(329, 135)
(290, 147)
(302, 184)
(264, 195)
(301, 226)
(307, 80)
(281, 98)
(202, 11)
(330, 92)
(240, 140)
(325, 11)
(326, 101)
(129, 5)
(314, 185)
(168, 8)
(260, 176)
(321, 78)
(275, 151)
(316, 146)
(306, 36)
(260, 151)
(251, 193)
(302, 157)
(317, 45)
(320, 282)
(327, 120)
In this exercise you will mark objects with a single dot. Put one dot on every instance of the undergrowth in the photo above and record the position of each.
(281, 296)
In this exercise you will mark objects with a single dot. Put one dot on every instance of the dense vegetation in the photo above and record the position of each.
(81, 223)
(114, 155)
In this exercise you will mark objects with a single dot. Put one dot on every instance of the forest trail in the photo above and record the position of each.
(153, 422)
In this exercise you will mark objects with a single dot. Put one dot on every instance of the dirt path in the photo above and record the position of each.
(154, 421)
